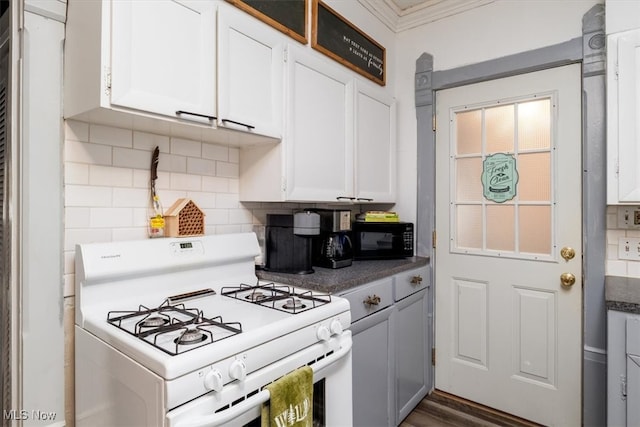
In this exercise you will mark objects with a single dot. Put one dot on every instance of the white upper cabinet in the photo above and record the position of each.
(319, 140)
(339, 144)
(375, 144)
(153, 65)
(250, 73)
(623, 110)
(163, 57)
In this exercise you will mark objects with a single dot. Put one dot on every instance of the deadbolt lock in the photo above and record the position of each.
(567, 253)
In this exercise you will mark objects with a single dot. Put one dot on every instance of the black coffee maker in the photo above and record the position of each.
(288, 241)
(332, 248)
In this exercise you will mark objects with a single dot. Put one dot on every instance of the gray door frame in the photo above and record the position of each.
(590, 51)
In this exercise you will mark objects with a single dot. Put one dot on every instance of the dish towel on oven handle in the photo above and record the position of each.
(291, 401)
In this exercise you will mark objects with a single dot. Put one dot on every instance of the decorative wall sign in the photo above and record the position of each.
(499, 177)
(288, 16)
(337, 38)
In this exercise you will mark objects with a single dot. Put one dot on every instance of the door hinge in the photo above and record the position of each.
(433, 356)
(433, 123)
(284, 184)
(285, 54)
(623, 387)
(107, 81)
(434, 238)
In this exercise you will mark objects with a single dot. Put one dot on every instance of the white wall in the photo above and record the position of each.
(39, 215)
(498, 29)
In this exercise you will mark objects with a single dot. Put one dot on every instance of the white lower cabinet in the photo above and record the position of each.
(623, 368)
(373, 351)
(372, 374)
(412, 331)
(391, 345)
(411, 344)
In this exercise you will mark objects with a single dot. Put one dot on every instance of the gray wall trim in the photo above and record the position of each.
(426, 156)
(594, 216)
(425, 215)
(534, 60)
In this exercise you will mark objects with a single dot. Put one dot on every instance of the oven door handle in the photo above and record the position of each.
(263, 396)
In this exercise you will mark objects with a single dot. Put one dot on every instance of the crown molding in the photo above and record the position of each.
(399, 20)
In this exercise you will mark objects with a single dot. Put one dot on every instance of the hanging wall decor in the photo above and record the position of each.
(499, 177)
(339, 39)
(288, 16)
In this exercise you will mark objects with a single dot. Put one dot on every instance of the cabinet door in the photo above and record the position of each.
(319, 139)
(411, 335)
(616, 368)
(373, 370)
(375, 144)
(633, 370)
(623, 108)
(163, 56)
(250, 73)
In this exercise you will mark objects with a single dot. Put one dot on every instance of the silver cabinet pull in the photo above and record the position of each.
(372, 300)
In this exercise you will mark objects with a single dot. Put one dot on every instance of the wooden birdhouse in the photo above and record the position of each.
(184, 218)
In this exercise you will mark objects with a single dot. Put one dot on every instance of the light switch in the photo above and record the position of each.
(629, 248)
(629, 217)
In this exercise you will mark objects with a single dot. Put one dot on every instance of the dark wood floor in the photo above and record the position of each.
(443, 410)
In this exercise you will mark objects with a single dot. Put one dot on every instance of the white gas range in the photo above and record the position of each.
(179, 332)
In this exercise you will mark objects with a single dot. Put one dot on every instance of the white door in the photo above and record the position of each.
(508, 201)
(375, 144)
(319, 137)
(250, 73)
(163, 57)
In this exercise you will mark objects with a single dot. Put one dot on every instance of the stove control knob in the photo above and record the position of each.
(213, 380)
(335, 327)
(323, 333)
(238, 370)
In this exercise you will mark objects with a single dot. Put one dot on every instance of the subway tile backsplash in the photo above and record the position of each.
(106, 176)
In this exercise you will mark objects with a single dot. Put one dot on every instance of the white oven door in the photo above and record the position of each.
(239, 403)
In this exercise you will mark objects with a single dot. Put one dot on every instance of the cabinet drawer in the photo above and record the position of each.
(411, 281)
(370, 298)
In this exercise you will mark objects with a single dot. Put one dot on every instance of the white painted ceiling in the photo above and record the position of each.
(401, 15)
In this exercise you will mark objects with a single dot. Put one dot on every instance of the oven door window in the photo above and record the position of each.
(319, 413)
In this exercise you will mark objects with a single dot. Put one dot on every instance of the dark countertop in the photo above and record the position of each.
(337, 280)
(622, 293)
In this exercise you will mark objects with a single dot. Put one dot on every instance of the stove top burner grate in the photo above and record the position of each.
(279, 297)
(193, 330)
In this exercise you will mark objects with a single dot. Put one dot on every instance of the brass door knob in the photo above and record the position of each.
(567, 253)
(567, 279)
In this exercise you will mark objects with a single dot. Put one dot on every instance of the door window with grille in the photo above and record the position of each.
(502, 198)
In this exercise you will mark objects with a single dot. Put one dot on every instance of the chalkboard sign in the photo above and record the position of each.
(288, 16)
(337, 38)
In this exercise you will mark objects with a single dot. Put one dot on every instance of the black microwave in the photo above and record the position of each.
(382, 240)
